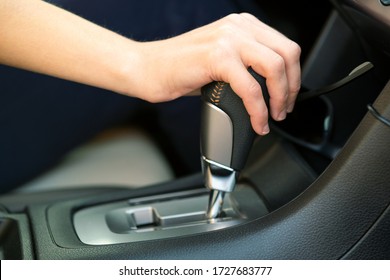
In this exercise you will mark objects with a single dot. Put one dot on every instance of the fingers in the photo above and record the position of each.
(251, 93)
(271, 55)
(270, 65)
(287, 49)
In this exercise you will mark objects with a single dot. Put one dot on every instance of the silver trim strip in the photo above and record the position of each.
(215, 204)
(216, 134)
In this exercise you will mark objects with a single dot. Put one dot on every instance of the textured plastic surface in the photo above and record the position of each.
(221, 95)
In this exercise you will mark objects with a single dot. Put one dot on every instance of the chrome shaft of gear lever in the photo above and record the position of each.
(215, 205)
(219, 179)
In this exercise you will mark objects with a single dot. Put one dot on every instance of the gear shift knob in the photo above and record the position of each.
(226, 139)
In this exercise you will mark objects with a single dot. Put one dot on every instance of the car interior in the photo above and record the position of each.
(317, 187)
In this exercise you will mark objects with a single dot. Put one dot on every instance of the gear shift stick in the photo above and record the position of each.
(226, 139)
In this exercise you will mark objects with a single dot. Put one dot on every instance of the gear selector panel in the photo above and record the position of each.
(163, 216)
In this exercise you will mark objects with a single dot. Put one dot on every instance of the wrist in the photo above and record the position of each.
(143, 71)
(126, 64)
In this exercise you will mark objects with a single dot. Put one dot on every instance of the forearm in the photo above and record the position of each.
(40, 37)
(37, 36)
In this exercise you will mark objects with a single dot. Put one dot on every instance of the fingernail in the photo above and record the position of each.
(265, 129)
(290, 108)
(282, 115)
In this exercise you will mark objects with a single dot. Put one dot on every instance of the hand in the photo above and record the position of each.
(222, 51)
